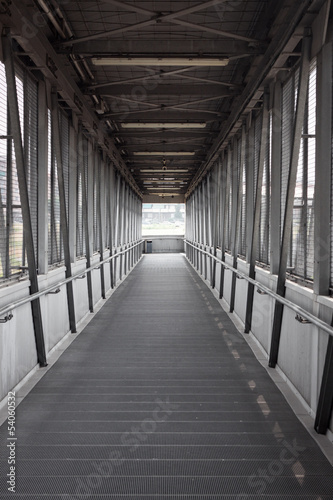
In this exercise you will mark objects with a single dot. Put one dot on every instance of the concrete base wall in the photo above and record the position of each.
(302, 346)
(173, 244)
(17, 341)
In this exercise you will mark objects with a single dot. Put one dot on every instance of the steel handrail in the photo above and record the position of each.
(14, 305)
(299, 310)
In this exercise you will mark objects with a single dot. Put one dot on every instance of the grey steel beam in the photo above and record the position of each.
(101, 216)
(111, 209)
(225, 184)
(250, 193)
(322, 222)
(180, 47)
(275, 227)
(15, 130)
(157, 75)
(223, 33)
(216, 218)
(288, 216)
(155, 19)
(72, 201)
(237, 209)
(56, 142)
(163, 89)
(85, 215)
(257, 208)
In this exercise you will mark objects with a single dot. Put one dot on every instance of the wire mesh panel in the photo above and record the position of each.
(264, 233)
(55, 250)
(3, 173)
(16, 244)
(95, 205)
(302, 242)
(64, 131)
(81, 177)
(12, 248)
(287, 123)
(242, 245)
(331, 235)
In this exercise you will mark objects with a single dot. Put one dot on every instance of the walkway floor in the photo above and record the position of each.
(160, 397)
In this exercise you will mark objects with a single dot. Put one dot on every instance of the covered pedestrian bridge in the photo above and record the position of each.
(200, 368)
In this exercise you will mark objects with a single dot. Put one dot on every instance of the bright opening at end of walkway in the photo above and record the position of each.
(163, 219)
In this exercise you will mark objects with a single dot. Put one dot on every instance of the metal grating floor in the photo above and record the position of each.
(160, 397)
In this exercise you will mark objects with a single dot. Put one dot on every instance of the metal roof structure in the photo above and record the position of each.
(168, 82)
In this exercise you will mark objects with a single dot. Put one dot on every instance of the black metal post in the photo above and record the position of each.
(256, 220)
(63, 209)
(237, 220)
(84, 153)
(24, 196)
(288, 216)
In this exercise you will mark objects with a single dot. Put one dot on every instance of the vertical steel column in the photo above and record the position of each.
(250, 194)
(205, 210)
(288, 216)
(322, 223)
(237, 219)
(217, 184)
(56, 140)
(275, 228)
(122, 222)
(257, 208)
(110, 208)
(15, 130)
(82, 152)
(72, 202)
(42, 180)
(101, 217)
(117, 212)
(224, 213)
(322, 220)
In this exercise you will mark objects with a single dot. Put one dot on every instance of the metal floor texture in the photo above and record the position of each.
(160, 397)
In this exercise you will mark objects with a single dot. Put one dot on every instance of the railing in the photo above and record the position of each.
(302, 313)
(7, 310)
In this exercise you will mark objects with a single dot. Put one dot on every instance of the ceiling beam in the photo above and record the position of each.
(170, 89)
(165, 134)
(208, 47)
(188, 114)
(206, 29)
(152, 74)
(158, 18)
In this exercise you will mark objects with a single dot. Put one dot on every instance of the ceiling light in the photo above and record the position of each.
(160, 61)
(163, 125)
(151, 171)
(161, 153)
(165, 187)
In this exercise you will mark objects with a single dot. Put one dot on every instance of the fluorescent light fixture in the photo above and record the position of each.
(160, 181)
(160, 61)
(166, 187)
(163, 125)
(161, 153)
(167, 171)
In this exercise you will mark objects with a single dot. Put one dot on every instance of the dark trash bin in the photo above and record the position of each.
(149, 246)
